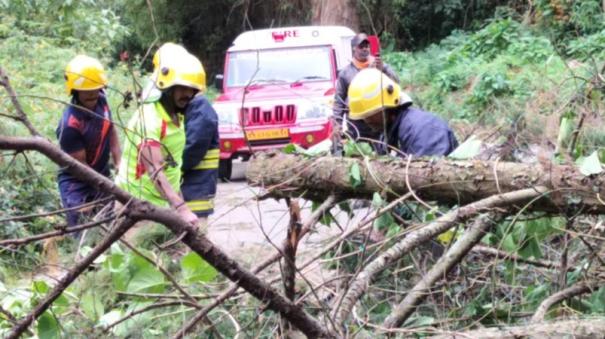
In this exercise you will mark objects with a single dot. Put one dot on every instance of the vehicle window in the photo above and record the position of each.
(279, 65)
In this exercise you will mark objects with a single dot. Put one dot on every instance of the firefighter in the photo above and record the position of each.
(155, 139)
(200, 158)
(360, 46)
(86, 132)
(379, 101)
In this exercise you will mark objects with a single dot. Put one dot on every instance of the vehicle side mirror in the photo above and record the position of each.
(218, 81)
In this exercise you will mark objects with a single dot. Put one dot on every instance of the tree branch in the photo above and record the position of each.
(453, 256)
(200, 244)
(580, 288)
(359, 285)
(71, 275)
(577, 328)
(311, 221)
(60, 232)
(4, 82)
(442, 180)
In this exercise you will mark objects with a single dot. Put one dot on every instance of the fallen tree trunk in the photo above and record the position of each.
(580, 328)
(444, 181)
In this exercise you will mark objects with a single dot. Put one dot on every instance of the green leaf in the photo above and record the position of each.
(531, 248)
(48, 328)
(320, 148)
(352, 149)
(469, 149)
(597, 301)
(196, 269)
(146, 280)
(92, 306)
(419, 321)
(111, 317)
(377, 201)
(508, 243)
(289, 149)
(590, 165)
(355, 175)
(384, 221)
(566, 128)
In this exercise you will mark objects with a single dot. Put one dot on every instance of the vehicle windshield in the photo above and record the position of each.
(279, 66)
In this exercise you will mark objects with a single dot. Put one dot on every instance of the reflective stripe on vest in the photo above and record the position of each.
(200, 205)
(210, 161)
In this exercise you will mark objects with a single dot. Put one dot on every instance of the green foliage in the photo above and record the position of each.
(132, 273)
(491, 40)
(196, 270)
(524, 237)
(355, 175)
(467, 150)
(48, 327)
(89, 25)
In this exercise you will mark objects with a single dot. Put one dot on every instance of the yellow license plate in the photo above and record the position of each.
(262, 134)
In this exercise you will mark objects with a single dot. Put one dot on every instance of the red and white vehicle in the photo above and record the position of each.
(277, 88)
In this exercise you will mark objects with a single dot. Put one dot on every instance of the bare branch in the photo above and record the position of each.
(492, 252)
(359, 285)
(70, 276)
(57, 233)
(446, 262)
(578, 289)
(315, 216)
(22, 117)
(200, 244)
(146, 309)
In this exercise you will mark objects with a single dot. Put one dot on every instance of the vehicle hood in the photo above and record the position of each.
(278, 91)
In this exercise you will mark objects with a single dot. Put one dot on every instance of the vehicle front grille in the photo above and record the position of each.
(279, 114)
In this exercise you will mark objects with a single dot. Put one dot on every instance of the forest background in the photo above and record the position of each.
(528, 71)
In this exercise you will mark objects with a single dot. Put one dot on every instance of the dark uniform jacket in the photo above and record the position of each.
(356, 128)
(200, 157)
(421, 133)
(89, 131)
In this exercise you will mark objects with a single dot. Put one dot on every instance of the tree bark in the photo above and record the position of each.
(444, 181)
(584, 328)
(335, 12)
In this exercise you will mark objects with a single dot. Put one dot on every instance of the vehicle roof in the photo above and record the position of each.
(297, 36)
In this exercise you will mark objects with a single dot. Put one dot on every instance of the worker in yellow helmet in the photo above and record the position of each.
(155, 139)
(380, 103)
(86, 132)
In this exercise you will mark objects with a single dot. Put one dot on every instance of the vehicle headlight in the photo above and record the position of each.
(228, 114)
(314, 110)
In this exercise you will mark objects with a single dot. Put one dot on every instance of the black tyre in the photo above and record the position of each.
(224, 170)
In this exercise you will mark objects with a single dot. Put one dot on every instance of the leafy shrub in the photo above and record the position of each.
(588, 47)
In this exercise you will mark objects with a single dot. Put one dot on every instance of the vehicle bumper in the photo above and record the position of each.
(233, 144)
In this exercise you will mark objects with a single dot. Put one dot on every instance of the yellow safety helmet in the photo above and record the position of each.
(173, 66)
(166, 51)
(371, 91)
(84, 73)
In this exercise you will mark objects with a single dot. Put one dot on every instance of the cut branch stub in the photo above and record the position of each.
(444, 181)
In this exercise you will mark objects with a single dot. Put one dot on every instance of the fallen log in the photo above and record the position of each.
(440, 180)
(580, 328)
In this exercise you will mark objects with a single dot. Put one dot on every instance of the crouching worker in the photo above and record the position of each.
(155, 139)
(380, 103)
(85, 132)
(200, 158)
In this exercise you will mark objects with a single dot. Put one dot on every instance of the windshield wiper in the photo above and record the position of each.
(310, 77)
(267, 81)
